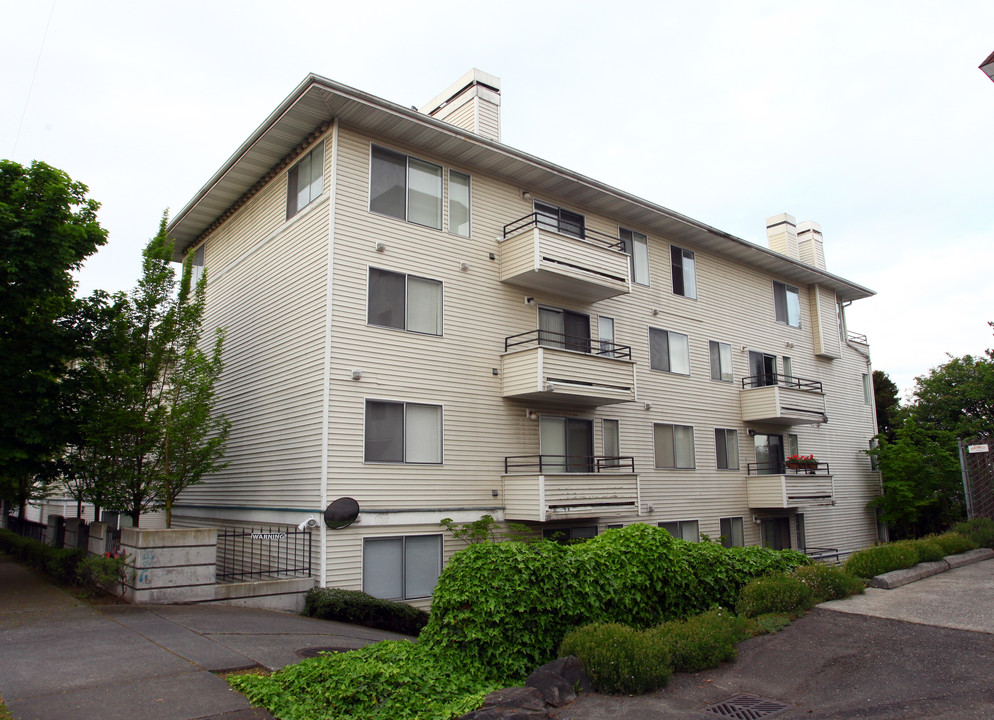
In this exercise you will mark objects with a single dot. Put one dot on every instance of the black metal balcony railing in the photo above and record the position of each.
(568, 463)
(547, 338)
(767, 379)
(782, 468)
(544, 222)
(857, 338)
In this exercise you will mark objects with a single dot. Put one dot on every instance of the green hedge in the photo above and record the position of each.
(828, 583)
(507, 606)
(774, 594)
(60, 563)
(620, 660)
(887, 557)
(358, 608)
(703, 641)
(979, 530)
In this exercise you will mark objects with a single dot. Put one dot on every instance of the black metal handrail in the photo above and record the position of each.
(568, 463)
(547, 338)
(792, 381)
(27, 528)
(816, 553)
(274, 551)
(781, 468)
(545, 222)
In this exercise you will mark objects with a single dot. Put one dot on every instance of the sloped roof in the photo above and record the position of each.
(318, 99)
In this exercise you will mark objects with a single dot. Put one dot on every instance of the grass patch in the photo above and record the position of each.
(768, 623)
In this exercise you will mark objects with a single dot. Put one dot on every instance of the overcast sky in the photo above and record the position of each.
(871, 118)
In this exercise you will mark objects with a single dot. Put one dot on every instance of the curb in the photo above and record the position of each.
(897, 578)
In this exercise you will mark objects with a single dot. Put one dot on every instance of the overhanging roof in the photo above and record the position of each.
(318, 99)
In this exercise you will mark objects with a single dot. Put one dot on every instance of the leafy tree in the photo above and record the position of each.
(47, 228)
(886, 401)
(147, 395)
(956, 397)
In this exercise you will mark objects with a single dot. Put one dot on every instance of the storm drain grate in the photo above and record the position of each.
(746, 707)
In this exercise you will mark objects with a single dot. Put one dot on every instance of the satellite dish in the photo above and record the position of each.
(341, 513)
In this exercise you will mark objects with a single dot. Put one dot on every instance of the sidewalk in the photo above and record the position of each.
(60, 658)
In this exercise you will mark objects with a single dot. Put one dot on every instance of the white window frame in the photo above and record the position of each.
(407, 301)
(675, 451)
(787, 312)
(636, 246)
(373, 148)
(727, 531)
(314, 187)
(404, 561)
(730, 445)
(614, 435)
(683, 528)
(687, 268)
(867, 389)
(722, 352)
(406, 452)
(469, 203)
(657, 363)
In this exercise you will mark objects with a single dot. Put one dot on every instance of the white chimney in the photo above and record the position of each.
(781, 234)
(472, 102)
(810, 248)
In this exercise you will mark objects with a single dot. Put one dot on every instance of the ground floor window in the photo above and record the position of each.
(732, 534)
(684, 529)
(570, 534)
(401, 568)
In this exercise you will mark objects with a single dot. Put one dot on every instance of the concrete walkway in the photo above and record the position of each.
(61, 659)
(924, 650)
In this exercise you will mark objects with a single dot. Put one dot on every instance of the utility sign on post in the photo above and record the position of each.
(973, 449)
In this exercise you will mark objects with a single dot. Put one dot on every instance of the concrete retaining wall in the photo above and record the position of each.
(170, 566)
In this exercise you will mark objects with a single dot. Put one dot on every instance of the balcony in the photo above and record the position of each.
(780, 400)
(539, 488)
(858, 338)
(542, 257)
(543, 366)
(770, 486)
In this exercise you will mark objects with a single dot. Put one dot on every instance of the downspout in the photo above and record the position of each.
(326, 385)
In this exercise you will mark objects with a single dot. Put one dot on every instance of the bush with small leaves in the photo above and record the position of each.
(703, 641)
(774, 594)
(620, 660)
(980, 531)
(954, 543)
(879, 559)
(358, 608)
(827, 582)
(928, 550)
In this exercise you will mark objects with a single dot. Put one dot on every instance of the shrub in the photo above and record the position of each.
(703, 641)
(880, 559)
(774, 594)
(827, 582)
(929, 550)
(954, 543)
(358, 608)
(620, 660)
(59, 563)
(103, 572)
(391, 680)
(979, 530)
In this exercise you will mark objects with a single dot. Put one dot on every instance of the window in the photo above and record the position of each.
(605, 335)
(674, 446)
(197, 266)
(564, 329)
(566, 444)
(867, 389)
(405, 188)
(683, 529)
(636, 246)
(669, 351)
(570, 535)
(684, 275)
(787, 303)
(458, 203)
(732, 534)
(612, 442)
(726, 444)
(405, 302)
(762, 369)
(792, 446)
(399, 432)
(769, 454)
(401, 568)
(305, 181)
(721, 361)
(788, 371)
(555, 218)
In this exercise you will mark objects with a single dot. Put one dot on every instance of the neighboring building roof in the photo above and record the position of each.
(317, 99)
(988, 66)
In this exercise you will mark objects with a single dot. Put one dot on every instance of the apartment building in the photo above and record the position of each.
(438, 325)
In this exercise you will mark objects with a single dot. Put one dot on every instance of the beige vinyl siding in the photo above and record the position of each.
(824, 323)
(465, 116)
